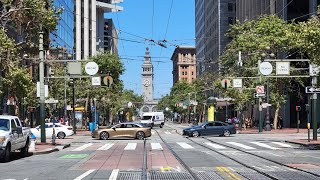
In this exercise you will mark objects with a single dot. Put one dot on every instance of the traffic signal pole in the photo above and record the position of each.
(42, 91)
(314, 109)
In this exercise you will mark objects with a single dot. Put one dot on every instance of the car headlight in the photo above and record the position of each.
(2, 139)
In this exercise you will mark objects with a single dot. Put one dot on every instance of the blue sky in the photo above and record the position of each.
(139, 21)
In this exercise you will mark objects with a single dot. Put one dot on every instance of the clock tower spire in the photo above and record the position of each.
(147, 77)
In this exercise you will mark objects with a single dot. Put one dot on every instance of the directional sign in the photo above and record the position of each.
(237, 83)
(259, 95)
(310, 89)
(51, 101)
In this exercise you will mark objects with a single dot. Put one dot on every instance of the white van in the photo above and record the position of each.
(153, 119)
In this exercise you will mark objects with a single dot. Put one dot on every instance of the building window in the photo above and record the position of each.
(192, 74)
(230, 7)
(185, 73)
(231, 20)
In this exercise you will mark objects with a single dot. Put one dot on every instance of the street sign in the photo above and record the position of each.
(91, 68)
(51, 101)
(265, 105)
(260, 89)
(259, 95)
(282, 68)
(310, 89)
(96, 81)
(237, 83)
(313, 70)
(265, 68)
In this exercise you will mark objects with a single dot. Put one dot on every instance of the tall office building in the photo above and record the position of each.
(89, 26)
(110, 39)
(293, 9)
(184, 64)
(212, 22)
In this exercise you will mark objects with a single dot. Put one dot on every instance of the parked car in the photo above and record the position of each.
(61, 131)
(211, 128)
(13, 137)
(132, 130)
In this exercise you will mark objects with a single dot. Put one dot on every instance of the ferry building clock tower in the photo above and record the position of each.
(147, 78)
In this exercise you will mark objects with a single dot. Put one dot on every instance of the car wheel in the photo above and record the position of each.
(6, 156)
(195, 134)
(61, 135)
(226, 133)
(104, 135)
(25, 150)
(140, 135)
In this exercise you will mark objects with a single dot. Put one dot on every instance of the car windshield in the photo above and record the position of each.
(146, 117)
(4, 124)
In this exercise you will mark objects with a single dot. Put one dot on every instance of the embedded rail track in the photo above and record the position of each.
(304, 173)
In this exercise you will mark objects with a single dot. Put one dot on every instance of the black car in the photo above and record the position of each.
(210, 128)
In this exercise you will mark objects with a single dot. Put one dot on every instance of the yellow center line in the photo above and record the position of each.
(228, 172)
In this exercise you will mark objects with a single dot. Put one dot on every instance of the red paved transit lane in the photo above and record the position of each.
(118, 157)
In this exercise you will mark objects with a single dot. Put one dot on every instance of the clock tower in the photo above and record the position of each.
(147, 78)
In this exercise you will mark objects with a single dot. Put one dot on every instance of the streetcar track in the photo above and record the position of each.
(246, 152)
(186, 167)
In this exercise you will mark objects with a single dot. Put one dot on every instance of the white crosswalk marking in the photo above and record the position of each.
(83, 147)
(114, 174)
(106, 147)
(84, 174)
(131, 146)
(152, 132)
(282, 144)
(168, 132)
(185, 145)
(156, 146)
(241, 145)
(264, 145)
(216, 146)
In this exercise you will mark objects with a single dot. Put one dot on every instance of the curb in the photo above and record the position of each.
(50, 150)
(310, 145)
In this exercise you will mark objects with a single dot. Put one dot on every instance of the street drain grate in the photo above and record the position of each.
(125, 175)
(208, 176)
(158, 175)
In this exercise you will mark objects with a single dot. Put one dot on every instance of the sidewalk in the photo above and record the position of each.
(48, 147)
(288, 131)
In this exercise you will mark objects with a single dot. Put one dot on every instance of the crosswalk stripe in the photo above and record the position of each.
(156, 146)
(82, 147)
(282, 144)
(106, 146)
(152, 132)
(185, 145)
(84, 174)
(264, 145)
(216, 146)
(114, 174)
(240, 145)
(168, 132)
(131, 146)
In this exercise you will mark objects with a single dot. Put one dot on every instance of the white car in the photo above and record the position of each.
(61, 131)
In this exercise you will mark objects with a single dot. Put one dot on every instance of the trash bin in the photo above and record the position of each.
(92, 126)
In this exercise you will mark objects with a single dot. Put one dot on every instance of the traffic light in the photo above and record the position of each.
(307, 108)
(298, 108)
(225, 84)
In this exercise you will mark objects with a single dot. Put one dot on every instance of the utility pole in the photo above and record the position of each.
(314, 109)
(268, 127)
(42, 91)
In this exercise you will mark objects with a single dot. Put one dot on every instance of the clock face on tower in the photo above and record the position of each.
(146, 83)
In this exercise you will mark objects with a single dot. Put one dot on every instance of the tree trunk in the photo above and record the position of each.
(276, 114)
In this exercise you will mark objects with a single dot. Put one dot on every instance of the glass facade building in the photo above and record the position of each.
(63, 37)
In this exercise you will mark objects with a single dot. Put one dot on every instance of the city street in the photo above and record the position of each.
(241, 156)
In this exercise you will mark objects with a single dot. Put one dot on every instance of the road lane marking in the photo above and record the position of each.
(106, 147)
(114, 174)
(241, 145)
(82, 147)
(131, 146)
(185, 145)
(168, 132)
(264, 145)
(282, 144)
(84, 174)
(152, 132)
(216, 146)
(156, 146)
(227, 171)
